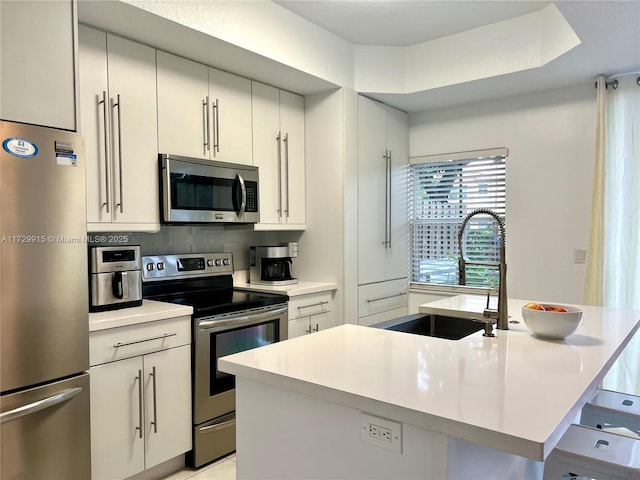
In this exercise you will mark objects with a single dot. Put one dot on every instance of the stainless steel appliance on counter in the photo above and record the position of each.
(44, 341)
(206, 191)
(225, 321)
(272, 265)
(115, 277)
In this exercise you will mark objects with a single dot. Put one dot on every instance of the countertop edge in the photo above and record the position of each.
(453, 428)
(149, 311)
(294, 290)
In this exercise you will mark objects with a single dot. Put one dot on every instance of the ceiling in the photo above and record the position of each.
(609, 32)
(403, 23)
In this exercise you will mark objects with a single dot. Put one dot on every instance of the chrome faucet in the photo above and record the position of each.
(501, 314)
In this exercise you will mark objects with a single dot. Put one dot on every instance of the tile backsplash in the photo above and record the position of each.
(193, 239)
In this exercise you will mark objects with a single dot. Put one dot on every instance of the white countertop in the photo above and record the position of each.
(149, 311)
(300, 288)
(514, 392)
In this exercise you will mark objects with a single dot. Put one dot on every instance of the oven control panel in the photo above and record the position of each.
(164, 267)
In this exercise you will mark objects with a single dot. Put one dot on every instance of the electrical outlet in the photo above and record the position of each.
(382, 432)
(580, 255)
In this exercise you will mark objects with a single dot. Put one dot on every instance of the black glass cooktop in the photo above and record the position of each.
(209, 297)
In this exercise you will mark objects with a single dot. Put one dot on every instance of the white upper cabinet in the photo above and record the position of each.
(203, 112)
(37, 61)
(383, 154)
(118, 112)
(230, 98)
(183, 113)
(278, 146)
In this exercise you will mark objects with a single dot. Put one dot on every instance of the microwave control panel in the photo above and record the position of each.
(164, 267)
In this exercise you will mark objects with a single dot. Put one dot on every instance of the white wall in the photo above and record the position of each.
(321, 254)
(551, 142)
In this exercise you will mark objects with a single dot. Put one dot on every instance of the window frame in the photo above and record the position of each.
(471, 156)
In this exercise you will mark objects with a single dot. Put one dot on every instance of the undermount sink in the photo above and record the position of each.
(431, 325)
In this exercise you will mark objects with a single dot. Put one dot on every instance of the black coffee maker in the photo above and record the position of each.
(272, 265)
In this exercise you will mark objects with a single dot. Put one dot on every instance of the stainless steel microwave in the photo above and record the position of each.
(206, 191)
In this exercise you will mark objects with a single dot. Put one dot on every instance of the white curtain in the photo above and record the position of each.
(593, 291)
(618, 278)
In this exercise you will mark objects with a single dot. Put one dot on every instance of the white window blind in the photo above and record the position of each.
(441, 194)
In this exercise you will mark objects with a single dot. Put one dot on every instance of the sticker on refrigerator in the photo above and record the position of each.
(66, 159)
(20, 147)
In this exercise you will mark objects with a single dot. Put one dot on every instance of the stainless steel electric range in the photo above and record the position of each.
(225, 320)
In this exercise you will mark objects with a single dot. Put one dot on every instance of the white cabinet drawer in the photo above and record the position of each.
(130, 341)
(381, 297)
(382, 317)
(310, 304)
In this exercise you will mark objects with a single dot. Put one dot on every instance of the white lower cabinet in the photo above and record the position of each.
(378, 302)
(141, 405)
(310, 313)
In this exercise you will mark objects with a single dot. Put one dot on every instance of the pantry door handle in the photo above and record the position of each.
(117, 104)
(139, 380)
(386, 199)
(106, 148)
(155, 402)
(390, 196)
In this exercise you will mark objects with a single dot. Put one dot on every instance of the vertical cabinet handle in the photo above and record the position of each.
(286, 178)
(139, 380)
(389, 196)
(155, 401)
(216, 129)
(278, 140)
(118, 104)
(386, 199)
(205, 112)
(106, 149)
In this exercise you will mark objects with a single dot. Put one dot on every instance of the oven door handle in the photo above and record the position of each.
(240, 319)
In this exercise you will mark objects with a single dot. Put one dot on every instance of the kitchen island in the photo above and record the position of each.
(360, 402)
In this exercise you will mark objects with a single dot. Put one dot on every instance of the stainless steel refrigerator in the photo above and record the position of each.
(44, 329)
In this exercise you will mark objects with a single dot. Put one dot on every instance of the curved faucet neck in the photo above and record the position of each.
(501, 314)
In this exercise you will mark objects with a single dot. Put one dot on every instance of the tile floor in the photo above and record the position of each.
(223, 469)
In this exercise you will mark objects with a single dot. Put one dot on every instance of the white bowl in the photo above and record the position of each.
(552, 324)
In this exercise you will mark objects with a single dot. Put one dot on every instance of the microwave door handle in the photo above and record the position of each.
(166, 190)
(243, 190)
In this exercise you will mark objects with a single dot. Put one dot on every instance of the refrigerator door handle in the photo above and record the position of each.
(34, 407)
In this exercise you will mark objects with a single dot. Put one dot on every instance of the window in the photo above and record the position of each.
(443, 190)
